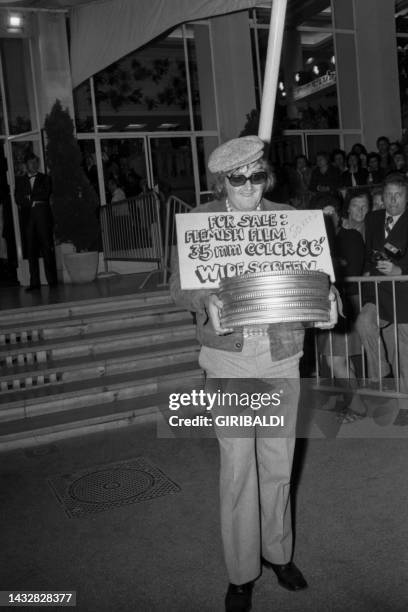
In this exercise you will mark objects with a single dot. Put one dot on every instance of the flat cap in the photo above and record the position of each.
(235, 153)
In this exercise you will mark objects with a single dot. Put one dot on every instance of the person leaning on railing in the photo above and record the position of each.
(255, 469)
(386, 254)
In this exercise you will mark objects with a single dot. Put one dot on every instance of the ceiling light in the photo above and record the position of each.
(14, 23)
(167, 126)
(135, 126)
(309, 60)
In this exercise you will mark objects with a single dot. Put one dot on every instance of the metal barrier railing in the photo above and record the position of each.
(138, 229)
(131, 229)
(381, 341)
(356, 190)
(174, 206)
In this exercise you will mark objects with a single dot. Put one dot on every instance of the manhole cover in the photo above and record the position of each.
(110, 486)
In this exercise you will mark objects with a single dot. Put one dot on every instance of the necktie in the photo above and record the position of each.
(389, 221)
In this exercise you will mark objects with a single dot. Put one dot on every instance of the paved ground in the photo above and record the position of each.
(165, 553)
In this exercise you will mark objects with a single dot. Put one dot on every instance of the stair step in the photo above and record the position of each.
(28, 377)
(82, 393)
(95, 343)
(84, 307)
(48, 428)
(14, 335)
(80, 367)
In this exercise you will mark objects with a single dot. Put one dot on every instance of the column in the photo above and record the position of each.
(377, 70)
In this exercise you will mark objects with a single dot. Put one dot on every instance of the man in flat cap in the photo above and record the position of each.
(255, 469)
(32, 194)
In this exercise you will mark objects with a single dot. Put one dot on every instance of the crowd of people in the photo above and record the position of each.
(337, 173)
(364, 198)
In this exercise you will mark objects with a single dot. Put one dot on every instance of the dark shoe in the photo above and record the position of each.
(33, 288)
(239, 597)
(289, 576)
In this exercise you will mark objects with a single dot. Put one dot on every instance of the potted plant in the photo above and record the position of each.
(74, 201)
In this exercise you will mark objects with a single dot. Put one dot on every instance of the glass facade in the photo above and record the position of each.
(151, 119)
(401, 27)
(147, 112)
(308, 100)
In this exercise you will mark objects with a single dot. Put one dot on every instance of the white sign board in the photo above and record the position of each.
(212, 246)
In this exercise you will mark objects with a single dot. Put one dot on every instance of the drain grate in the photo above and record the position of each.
(110, 486)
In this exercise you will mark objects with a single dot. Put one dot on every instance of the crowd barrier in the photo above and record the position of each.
(141, 229)
(174, 206)
(381, 367)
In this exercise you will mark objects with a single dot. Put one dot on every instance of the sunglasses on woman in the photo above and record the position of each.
(238, 180)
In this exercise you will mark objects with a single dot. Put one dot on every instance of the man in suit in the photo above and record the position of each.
(32, 194)
(386, 254)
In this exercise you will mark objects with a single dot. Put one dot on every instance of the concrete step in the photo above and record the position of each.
(69, 310)
(46, 428)
(28, 377)
(46, 351)
(81, 325)
(73, 368)
(81, 394)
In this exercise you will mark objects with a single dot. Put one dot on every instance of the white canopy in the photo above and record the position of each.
(103, 32)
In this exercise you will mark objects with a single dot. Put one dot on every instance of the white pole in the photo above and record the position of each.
(271, 76)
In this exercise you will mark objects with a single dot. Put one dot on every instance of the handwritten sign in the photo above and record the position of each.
(212, 246)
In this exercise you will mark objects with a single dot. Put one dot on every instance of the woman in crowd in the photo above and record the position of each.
(354, 175)
(338, 159)
(325, 178)
(255, 468)
(348, 257)
(361, 152)
(375, 172)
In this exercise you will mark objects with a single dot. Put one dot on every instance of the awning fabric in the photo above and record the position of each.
(103, 32)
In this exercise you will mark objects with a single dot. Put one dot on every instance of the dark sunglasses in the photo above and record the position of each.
(238, 180)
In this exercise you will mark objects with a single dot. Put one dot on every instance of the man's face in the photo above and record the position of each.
(321, 162)
(247, 196)
(383, 146)
(395, 199)
(378, 202)
(399, 160)
(301, 163)
(373, 164)
(339, 160)
(32, 165)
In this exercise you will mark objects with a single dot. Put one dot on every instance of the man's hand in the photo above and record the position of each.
(333, 314)
(388, 268)
(213, 305)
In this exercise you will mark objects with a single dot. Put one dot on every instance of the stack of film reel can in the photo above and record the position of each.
(275, 297)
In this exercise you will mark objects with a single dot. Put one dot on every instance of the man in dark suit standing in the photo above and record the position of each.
(386, 238)
(32, 194)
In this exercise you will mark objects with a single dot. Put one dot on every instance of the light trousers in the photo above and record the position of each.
(256, 465)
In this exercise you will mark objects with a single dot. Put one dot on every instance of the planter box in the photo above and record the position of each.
(82, 267)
